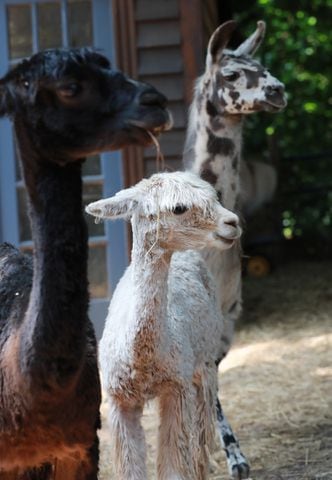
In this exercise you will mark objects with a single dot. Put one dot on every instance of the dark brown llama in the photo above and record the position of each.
(65, 105)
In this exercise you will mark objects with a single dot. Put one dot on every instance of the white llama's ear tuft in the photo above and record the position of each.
(249, 46)
(122, 205)
(218, 42)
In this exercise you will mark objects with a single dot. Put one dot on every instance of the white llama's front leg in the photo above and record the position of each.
(206, 387)
(128, 439)
(175, 453)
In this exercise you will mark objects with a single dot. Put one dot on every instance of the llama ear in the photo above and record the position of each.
(122, 205)
(249, 46)
(218, 42)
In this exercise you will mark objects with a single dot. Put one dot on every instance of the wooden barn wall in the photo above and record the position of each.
(159, 62)
(159, 42)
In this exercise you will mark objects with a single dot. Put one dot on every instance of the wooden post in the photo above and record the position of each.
(191, 25)
(126, 54)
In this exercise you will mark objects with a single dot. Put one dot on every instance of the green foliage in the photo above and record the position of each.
(298, 51)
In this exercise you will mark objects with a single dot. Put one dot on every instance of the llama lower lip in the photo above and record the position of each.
(164, 123)
(156, 131)
(143, 134)
(229, 241)
(276, 107)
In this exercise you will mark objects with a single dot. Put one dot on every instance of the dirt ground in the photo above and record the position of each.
(276, 383)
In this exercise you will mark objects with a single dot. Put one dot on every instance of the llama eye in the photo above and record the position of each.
(24, 83)
(179, 209)
(70, 90)
(232, 77)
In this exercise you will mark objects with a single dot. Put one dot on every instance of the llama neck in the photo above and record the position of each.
(215, 155)
(55, 323)
(150, 273)
(216, 158)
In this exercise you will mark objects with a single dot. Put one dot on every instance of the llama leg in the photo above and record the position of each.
(175, 454)
(205, 416)
(67, 470)
(237, 463)
(44, 472)
(90, 469)
(75, 469)
(129, 449)
(13, 475)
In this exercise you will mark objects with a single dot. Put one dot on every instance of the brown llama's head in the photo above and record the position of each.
(71, 104)
(234, 83)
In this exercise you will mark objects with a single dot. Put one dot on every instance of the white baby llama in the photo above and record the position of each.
(163, 328)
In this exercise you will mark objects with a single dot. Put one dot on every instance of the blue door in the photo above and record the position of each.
(25, 28)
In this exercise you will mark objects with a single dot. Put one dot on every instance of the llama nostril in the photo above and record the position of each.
(232, 222)
(279, 90)
(152, 97)
(275, 89)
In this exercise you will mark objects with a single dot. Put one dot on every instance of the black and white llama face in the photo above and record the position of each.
(235, 83)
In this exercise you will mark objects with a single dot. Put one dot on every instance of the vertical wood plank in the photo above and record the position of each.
(125, 33)
(191, 25)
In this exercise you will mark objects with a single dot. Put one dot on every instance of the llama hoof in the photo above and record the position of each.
(240, 471)
(238, 466)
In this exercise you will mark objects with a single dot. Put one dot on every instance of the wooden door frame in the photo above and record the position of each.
(191, 27)
(126, 59)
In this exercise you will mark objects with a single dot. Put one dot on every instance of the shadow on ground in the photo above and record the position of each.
(276, 383)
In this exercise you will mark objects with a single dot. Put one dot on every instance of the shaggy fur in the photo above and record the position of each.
(233, 85)
(163, 341)
(64, 104)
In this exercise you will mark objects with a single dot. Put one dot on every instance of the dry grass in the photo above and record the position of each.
(276, 383)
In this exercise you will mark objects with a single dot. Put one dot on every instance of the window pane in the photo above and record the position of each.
(97, 272)
(20, 31)
(79, 23)
(91, 193)
(49, 25)
(23, 219)
(92, 166)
